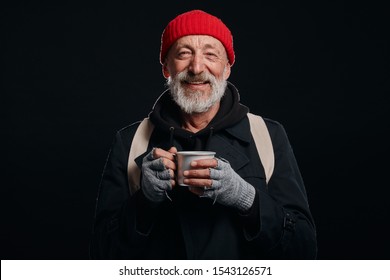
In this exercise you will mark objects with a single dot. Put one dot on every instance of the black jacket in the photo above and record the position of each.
(278, 226)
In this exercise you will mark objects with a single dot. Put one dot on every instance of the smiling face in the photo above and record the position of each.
(196, 69)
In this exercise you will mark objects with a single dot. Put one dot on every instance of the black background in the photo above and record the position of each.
(73, 74)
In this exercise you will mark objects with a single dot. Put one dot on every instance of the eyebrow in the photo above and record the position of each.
(209, 46)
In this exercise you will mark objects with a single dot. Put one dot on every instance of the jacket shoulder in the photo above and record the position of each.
(129, 129)
(275, 129)
(126, 134)
(272, 124)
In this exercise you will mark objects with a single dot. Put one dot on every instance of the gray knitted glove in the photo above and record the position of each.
(228, 188)
(155, 178)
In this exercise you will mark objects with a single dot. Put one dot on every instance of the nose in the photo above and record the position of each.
(196, 65)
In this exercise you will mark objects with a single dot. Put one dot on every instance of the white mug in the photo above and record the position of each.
(184, 160)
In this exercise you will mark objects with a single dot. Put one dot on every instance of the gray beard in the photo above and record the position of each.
(192, 101)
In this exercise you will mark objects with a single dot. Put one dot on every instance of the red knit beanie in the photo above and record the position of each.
(196, 22)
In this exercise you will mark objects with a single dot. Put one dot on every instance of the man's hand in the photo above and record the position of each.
(158, 173)
(215, 178)
(198, 177)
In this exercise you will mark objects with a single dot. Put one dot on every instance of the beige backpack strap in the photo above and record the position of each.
(263, 143)
(139, 145)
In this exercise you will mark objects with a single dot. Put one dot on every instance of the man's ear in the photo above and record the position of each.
(165, 71)
(226, 72)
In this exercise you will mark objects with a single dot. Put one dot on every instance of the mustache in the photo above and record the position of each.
(191, 78)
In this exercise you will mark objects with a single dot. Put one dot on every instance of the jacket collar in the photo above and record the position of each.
(229, 152)
(241, 130)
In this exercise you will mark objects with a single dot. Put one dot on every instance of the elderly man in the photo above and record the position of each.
(230, 209)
